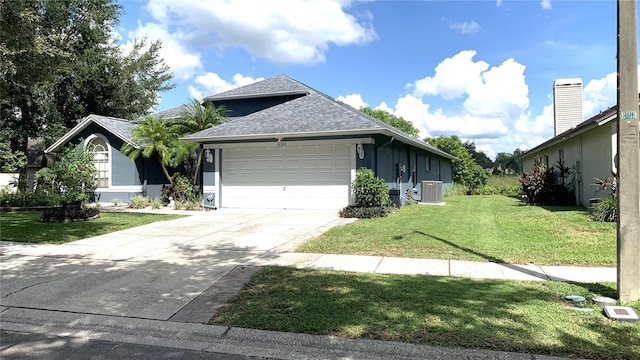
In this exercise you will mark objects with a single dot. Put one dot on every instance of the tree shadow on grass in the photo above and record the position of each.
(454, 312)
(487, 257)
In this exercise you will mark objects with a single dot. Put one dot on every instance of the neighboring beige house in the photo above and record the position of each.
(589, 148)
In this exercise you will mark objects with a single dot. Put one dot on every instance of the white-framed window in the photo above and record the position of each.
(100, 148)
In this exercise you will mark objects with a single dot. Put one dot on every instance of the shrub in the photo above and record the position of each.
(28, 199)
(364, 212)
(455, 190)
(179, 205)
(605, 210)
(180, 190)
(155, 203)
(541, 186)
(68, 214)
(370, 191)
(139, 202)
(371, 197)
(193, 205)
(477, 179)
(116, 202)
(72, 176)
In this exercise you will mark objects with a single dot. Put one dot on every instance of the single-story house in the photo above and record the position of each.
(290, 146)
(118, 176)
(286, 146)
(589, 149)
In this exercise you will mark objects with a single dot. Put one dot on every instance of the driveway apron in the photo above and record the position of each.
(151, 271)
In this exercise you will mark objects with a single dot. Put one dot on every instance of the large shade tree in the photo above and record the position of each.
(395, 121)
(58, 63)
(509, 162)
(465, 171)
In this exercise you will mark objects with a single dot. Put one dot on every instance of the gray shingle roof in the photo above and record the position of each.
(594, 121)
(172, 113)
(279, 85)
(120, 127)
(313, 115)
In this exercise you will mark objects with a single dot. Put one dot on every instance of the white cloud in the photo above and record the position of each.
(599, 94)
(438, 122)
(354, 100)
(546, 4)
(280, 31)
(500, 91)
(465, 27)
(488, 105)
(383, 106)
(182, 61)
(195, 93)
(211, 83)
(498, 3)
(453, 77)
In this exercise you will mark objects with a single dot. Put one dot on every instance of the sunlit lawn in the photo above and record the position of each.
(25, 226)
(455, 312)
(478, 228)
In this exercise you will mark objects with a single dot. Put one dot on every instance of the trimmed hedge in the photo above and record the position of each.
(69, 214)
(364, 212)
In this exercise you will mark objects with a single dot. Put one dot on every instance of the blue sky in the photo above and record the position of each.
(482, 70)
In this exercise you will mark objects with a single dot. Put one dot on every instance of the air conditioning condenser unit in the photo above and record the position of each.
(431, 192)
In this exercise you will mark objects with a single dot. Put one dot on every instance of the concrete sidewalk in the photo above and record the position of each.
(455, 268)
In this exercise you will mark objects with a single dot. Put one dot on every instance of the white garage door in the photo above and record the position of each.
(286, 177)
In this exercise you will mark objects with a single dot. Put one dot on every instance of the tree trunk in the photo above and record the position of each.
(164, 170)
(23, 143)
(198, 165)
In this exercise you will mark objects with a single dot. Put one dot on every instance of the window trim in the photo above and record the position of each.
(87, 142)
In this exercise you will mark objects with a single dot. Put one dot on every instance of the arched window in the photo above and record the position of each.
(100, 151)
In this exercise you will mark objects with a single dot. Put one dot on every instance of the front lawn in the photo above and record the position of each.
(490, 314)
(25, 226)
(478, 228)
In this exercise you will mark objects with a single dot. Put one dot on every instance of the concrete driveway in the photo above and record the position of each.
(151, 271)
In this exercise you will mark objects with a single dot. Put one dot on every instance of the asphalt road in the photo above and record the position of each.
(17, 345)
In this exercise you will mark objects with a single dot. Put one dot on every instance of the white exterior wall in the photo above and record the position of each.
(589, 155)
(598, 152)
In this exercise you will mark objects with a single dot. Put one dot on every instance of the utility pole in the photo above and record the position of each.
(628, 164)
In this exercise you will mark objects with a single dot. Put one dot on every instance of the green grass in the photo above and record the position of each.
(490, 314)
(500, 181)
(478, 228)
(25, 226)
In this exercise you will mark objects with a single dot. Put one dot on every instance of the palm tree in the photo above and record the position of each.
(197, 117)
(154, 136)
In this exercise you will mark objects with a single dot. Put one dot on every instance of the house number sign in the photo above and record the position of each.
(281, 143)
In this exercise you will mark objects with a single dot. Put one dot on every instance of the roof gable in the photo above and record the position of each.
(597, 120)
(118, 127)
(315, 114)
(276, 86)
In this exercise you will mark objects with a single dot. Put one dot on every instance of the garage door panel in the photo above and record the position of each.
(312, 177)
